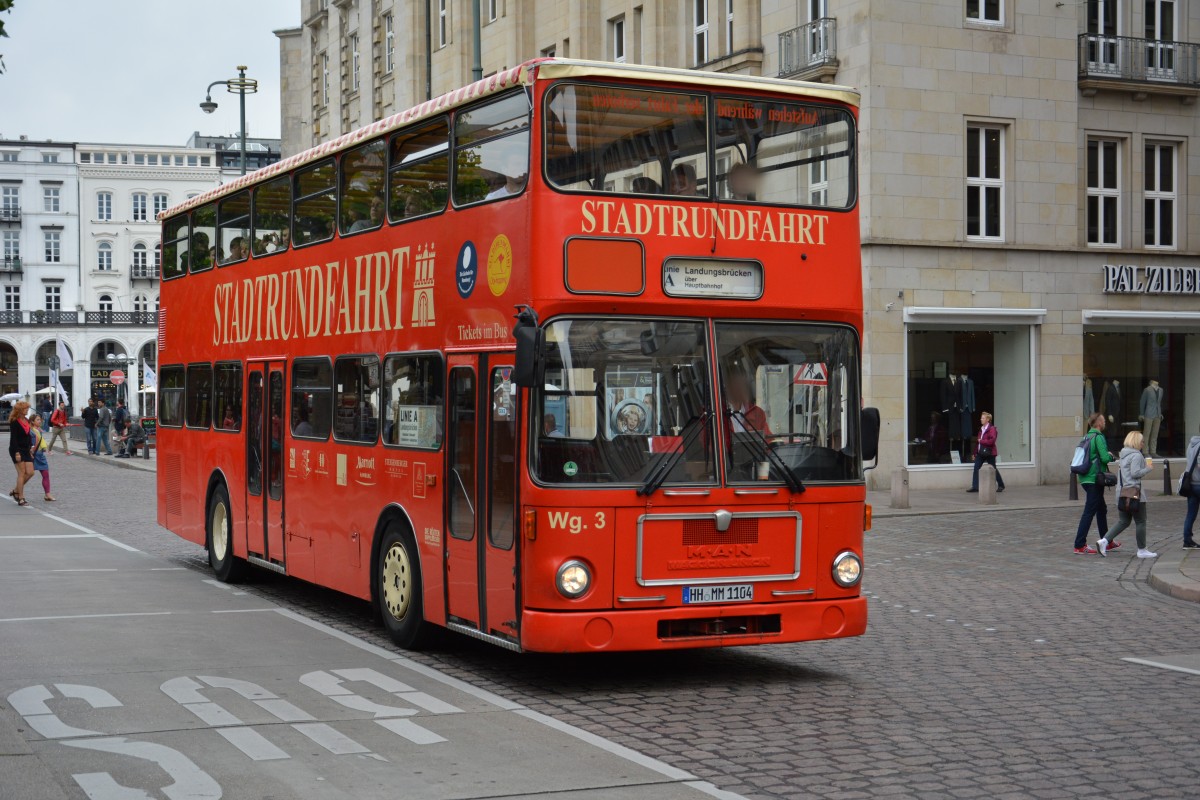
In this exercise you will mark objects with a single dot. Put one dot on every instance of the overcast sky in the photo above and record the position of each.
(135, 71)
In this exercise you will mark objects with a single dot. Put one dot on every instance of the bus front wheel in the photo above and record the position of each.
(225, 564)
(398, 588)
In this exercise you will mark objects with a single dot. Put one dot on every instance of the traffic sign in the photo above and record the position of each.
(813, 374)
(117, 377)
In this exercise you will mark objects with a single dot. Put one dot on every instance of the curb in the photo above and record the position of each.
(121, 462)
(1167, 577)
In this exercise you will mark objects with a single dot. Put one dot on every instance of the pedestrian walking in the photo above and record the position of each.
(1193, 498)
(40, 462)
(120, 418)
(20, 449)
(985, 452)
(90, 415)
(1093, 484)
(1131, 500)
(103, 423)
(45, 409)
(58, 427)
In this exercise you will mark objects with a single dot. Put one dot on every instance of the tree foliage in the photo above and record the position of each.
(5, 6)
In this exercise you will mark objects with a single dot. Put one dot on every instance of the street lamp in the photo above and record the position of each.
(123, 360)
(241, 85)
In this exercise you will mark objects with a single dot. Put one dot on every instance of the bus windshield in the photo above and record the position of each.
(620, 398)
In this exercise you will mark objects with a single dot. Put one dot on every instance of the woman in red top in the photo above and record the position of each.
(20, 449)
(985, 452)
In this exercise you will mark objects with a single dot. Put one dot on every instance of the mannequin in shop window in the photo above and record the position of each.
(968, 409)
(1110, 407)
(1089, 398)
(1150, 414)
(950, 396)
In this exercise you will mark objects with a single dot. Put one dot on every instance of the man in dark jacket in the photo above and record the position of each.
(103, 423)
(90, 415)
(135, 436)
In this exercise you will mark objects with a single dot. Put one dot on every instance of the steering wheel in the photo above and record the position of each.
(792, 438)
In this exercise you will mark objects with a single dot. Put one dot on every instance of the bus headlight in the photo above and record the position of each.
(847, 569)
(573, 579)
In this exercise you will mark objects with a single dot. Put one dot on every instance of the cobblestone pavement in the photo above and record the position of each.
(992, 666)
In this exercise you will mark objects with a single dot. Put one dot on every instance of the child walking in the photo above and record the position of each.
(40, 462)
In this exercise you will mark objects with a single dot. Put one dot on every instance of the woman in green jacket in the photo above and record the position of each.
(1095, 506)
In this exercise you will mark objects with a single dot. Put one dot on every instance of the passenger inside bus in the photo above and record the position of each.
(199, 255)
(515, 172)
(742, 182)
(644, 185)
(744, 414)
(374, 218)
(237, 249)
(683, 181)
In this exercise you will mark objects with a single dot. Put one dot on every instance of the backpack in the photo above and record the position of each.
(1081, 461)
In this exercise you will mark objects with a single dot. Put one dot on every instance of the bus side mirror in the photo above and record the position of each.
(529, 336)
(870, 436)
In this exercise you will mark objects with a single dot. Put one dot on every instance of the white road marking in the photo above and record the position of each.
(285, 711)
(410, 730)
(93, 696)
(332, 740)
(253, 744)
(100, 536)
(90, 616)
(1147, 662)
(190, 782)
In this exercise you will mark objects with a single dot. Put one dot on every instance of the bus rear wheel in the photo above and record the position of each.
(228, 567)
(398, 588)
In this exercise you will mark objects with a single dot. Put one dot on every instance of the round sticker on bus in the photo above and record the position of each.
(499, 268)
(570, 469)
(465, 269)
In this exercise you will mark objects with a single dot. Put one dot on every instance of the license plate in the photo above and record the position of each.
(733, 593)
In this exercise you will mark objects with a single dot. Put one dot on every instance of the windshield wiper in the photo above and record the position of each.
(763, 452)
(667, 461)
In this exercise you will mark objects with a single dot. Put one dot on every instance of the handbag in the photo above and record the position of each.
(985, 451)
(1129, 500)
(1106, 478)
(1186, 487)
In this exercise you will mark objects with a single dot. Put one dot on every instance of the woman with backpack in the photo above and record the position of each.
(1131, 503)
(1093, 485)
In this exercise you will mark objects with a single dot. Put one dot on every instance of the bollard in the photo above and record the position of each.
(987, 485)
(900, 487)
(1073, 492)
(1167, 478)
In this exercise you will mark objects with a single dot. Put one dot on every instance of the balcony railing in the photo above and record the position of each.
(143, 273)
(41, 317)
(121, 318)
(10, 214)
(10, 264)
(810, 51)
(1151, 66)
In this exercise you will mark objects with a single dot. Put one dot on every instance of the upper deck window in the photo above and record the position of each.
(233, 222)
(492, 150)
(603, 138)
(272, 207)
(175, 247)
(315, 204)
(362, 188)
(420, 171)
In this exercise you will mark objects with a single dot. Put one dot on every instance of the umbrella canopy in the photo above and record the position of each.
(11, 397)
(47, 390)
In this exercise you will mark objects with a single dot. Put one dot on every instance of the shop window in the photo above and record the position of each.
(170, 396)
(312, 398)
(413, 399)
(227, 397)
(956, 375)
(356, 384)
(199, 395)
(1144, 380)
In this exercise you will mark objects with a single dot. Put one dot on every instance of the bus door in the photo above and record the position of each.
(481, 494)
(264, 464)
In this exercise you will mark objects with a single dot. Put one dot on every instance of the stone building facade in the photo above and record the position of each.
(1030, 207)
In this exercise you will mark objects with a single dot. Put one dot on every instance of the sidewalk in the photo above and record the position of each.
(1176, 572)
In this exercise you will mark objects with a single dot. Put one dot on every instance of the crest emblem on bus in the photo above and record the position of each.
(423, 315)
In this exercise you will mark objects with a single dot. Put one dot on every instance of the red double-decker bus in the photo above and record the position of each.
(566, 360)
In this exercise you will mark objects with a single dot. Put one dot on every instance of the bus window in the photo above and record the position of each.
(603, 138)
(233, 226)
(420, 171)
(203, 247)
(315, 203)
(227, 397)
(492, 150)
(174, 247)
(199, 394)
(356, 384)
(413, 399)
(170, 396)
(784, 153)
(361, 192)
(312, 402)
(272, 210)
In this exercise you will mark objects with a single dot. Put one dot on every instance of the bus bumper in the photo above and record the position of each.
(683, 627)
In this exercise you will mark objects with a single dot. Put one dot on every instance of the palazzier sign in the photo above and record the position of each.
(1131, 279)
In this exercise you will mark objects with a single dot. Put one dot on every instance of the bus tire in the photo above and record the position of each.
(219, 530)
(398, 588)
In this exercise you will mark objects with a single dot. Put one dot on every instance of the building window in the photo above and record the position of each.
(988, 12)
(10, 198)
(104, 206)
(1160, 202)
(50, 198)
(140, 304)
(12, 298)
(549, 52)
(616, 32)
(49, 158)
(985, 183)
(389, 44)
(106, 304)
(443, 23)
(955, 375)
(493, 10)
(728, 26)
(700, 30)
(53, 241)
(160, 204)
(141, 268)
(354, 62)
(104, 257)
(157, 257)
(139, 207)
(12, 246)
(8, 155)
(193, 161)
(152, 160)
(1103, 191)
(53, 297)
(324, 79)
